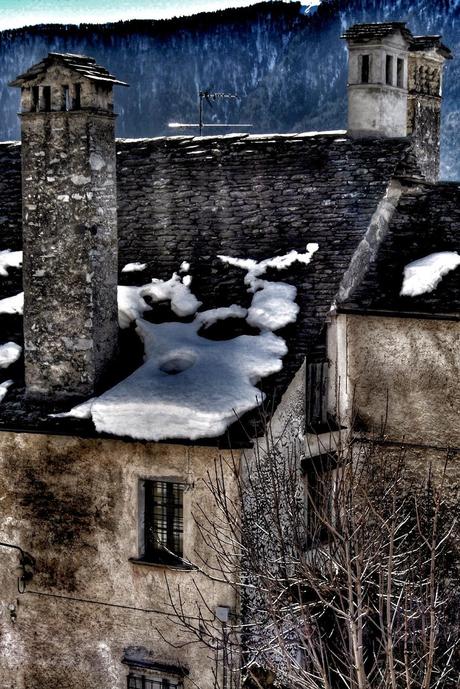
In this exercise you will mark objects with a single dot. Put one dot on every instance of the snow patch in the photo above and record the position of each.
(189, 386)
(425, 274)
(134, 267)
(211, 316)
(273, 306)
(255, 269)
(13, 304)
(9, 353)
(131, 305)
(177, 291)
(9, 259)
(4, 388)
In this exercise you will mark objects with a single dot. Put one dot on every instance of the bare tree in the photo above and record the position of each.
(346, 566)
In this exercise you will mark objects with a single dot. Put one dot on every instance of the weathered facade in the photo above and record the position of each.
(97, 611)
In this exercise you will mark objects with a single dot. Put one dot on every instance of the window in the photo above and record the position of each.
(136, 681)
(389, 70)
(320, 484)
(46, 94)
(365, 65)
(35, 99)
(316, 391)
(400, 73)
(65, 102)
(76, 104)
(162, 521)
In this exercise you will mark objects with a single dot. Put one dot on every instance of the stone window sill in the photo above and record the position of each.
(181, 566)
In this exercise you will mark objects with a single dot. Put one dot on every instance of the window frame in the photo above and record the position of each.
(389, 69)
(365, 68)
(163, 555)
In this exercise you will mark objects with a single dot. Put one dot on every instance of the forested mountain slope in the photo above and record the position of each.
(288, 65)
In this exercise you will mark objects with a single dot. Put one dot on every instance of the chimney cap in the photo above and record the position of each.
(84, 66)
(434, 42)
(378, 30)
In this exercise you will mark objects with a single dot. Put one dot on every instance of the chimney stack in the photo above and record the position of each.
(394, 87)
(69, 225)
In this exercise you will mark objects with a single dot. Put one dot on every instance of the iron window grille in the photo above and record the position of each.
(163, 522)
(136, 681)
(316, 396)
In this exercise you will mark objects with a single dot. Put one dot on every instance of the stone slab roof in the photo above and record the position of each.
(427, 220)
(186, 198)
(371, 32)
(86, 67)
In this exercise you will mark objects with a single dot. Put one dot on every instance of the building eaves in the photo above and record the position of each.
(84, 66)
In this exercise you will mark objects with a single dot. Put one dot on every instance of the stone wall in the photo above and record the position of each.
(396, 375)
(73, 505)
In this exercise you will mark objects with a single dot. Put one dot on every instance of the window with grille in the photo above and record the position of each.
(136, 681)
(316, 396)
(163, 522)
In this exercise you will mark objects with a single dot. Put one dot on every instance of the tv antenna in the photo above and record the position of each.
(208, 96)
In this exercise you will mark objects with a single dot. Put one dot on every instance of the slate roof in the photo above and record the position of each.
(430, 43)
(370, 32)
(427, 220)
(85, 66)
(185, 198)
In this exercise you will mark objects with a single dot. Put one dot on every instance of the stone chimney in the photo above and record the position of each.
(426, 61)
(69, 225)
(394, 87)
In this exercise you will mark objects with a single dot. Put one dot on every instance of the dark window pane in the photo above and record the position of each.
(35, 98)
(400, 73)
(163, 520)
(365, 63)
(389, 70)
(76, 105)
(46, 98)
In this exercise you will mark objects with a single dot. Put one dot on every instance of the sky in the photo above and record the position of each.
(17, 13)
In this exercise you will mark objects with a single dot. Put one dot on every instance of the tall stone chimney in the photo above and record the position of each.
(69, 225)
(426, 61)
(394, 87)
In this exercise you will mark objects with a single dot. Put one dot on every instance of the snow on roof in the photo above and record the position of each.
(9, 353)
(14, 304)
(9, 259)
(426, 273)
(190, 386)
(134, 267)
(4, 388)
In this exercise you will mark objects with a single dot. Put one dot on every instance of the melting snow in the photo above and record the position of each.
(211, 316)
(13, 304)
(254, 269)
(134, 267)
(9, 353)
(9, 259)
(273, 306)
(188, 387)
(425, 274)
(131, 305)
(4, 388)
(177, 291)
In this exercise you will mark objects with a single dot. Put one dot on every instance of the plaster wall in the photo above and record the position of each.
(397, 374)
(73, 505)
(377, 108)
